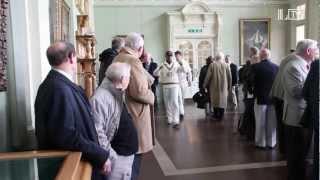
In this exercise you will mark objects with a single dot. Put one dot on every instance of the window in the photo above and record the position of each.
(204, 51)
(301, 12)
(300, 33)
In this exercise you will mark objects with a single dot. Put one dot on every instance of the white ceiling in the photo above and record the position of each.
(184, 2)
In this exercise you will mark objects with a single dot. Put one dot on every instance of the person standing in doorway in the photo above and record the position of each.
(185, 79)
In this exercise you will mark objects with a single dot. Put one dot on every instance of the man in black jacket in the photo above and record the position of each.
(234, 82)
(263, 74)
(310, 117)
(63, 115)
(151, 66)
(202, 76)
(107, 56)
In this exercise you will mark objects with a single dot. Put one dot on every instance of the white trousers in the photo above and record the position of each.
(266, 125)
(171, 103)
(121, 168)
(182, 95)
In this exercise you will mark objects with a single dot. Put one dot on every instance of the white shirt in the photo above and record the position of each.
(69, 76)
(168, 73)
(185, 74)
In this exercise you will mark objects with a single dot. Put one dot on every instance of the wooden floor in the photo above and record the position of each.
(204, 149)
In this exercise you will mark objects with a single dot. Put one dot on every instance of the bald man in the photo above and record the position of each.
(264, 74)
(150, 66)
(63, 114)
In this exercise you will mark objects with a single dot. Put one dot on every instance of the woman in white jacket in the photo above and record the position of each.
(169, 79)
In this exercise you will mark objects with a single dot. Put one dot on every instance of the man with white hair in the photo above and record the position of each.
(218, 79)
(277, 94)
(292, 79)
(263, 74)
(116, 131)
(139, 96)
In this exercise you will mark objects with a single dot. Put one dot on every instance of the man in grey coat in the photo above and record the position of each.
(293, 78)
(115, 128)
(277, 95)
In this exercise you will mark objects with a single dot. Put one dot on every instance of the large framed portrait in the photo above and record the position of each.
(253, 33)
(59, 20)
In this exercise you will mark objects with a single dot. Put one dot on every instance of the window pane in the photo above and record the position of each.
(300, 33)
(301, 12)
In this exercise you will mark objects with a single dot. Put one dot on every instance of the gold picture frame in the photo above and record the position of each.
(253, 33)
(60, 21)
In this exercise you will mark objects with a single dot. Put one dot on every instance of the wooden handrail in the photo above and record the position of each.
(32, 154)
(70, 167)
(84, 171)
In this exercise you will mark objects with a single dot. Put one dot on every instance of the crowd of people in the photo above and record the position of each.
(113, 129)
(281, 102)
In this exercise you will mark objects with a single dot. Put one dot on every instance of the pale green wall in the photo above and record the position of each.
(149, 21)
(152, 22)
(314, 19)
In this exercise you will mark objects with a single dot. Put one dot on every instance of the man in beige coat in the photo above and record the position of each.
(218, 79)
(139, 96)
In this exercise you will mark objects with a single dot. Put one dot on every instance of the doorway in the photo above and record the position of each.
(195, 51)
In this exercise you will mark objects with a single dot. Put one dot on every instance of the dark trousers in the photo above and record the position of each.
(316, 156)
(278, 105)
(218, 112)
(154, 90)
(136, 166)
(249, 124)
(296, 152)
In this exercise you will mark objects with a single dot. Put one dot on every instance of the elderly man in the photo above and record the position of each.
(218, 79)
(169, 80)
(234, 75)
(293, 78)
(107, 56)
(264, 74)
(138, 96)
(63, 113)
(151, 66)
(185, 79)
(113, 122)
(277, 94)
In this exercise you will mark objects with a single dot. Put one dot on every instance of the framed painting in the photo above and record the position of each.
(4, 6)
(65, 21)
(253, 33)
(60, 16)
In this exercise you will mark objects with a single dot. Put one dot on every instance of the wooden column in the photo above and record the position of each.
(86, 42)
